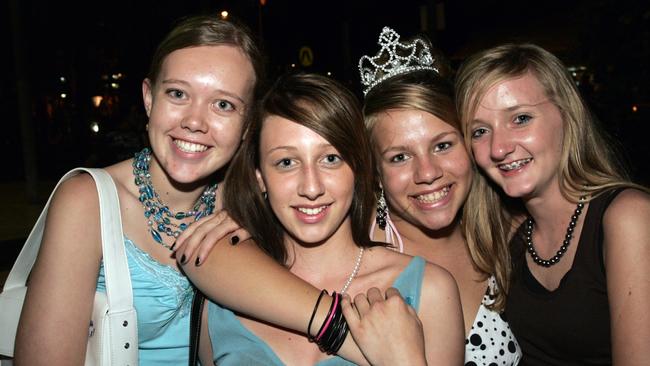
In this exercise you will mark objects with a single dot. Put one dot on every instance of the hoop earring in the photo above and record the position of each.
(382, 210)
(265, 195)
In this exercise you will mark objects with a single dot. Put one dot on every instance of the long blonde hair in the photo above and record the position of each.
(586, 167)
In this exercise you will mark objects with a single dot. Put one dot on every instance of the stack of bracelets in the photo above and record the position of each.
(332, 333)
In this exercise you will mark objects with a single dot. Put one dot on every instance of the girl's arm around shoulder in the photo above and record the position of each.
(626, 246)
(442, 317)
(53, 327)
(243, 278)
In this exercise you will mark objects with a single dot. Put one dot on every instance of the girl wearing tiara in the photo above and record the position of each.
(426, 186)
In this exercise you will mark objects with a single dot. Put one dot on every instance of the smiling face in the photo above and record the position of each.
(310, 188)
(517, 137)
(425, 169)
(196, 110)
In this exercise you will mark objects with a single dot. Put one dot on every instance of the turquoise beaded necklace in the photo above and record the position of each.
(160, 218)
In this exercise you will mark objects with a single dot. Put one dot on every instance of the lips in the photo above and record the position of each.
(514, 165)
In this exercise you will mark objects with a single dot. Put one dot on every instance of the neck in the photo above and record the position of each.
(551, 212)
(326, 264)
(442, 242)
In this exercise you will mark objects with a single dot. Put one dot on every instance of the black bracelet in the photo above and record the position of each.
(338, 341)
(311, 320)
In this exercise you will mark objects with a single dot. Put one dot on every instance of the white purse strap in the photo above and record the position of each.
(116, 269)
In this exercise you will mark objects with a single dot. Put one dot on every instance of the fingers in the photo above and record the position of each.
(204, 235)
(375, 295)
(362, 304)
(239, 236)
(349, 312)
(392, 291)
(180, 243)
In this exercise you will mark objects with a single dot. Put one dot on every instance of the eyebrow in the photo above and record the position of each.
(177, 81)
(293, 148)
(435, 138)
(518, 106)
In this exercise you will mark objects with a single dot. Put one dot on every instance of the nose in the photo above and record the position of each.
(195, 118)
(311, 184)
(501, 145)
(427, 170)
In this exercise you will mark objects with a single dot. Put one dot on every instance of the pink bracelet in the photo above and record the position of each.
(329, 319)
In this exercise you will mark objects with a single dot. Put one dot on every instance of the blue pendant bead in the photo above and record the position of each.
(160, 219)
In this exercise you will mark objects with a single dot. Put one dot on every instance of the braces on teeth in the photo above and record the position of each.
(515, 164)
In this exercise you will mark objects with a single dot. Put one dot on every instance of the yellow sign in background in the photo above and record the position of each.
(306, 56)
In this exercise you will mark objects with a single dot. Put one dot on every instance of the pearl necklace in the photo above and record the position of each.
(159, 216)
(565, 244)
(354, 272)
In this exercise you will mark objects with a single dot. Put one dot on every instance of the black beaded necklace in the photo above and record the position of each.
(565, 244)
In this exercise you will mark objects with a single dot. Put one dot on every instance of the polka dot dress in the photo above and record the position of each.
(490, 341)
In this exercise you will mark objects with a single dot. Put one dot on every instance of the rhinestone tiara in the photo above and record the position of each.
(394, 58)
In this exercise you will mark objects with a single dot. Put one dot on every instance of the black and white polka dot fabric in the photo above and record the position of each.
(490, 341)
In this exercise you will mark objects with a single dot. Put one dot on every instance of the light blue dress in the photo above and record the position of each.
(233, 344)
(162, 297)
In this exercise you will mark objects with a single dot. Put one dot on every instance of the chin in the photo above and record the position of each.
(188, 177)
(439, 224)
(518, 191)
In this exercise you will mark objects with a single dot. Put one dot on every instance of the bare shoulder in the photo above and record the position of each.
(626, 227)
(628, 207)
(438, 282)
(77, 196)
(390, 260)
(628, 216)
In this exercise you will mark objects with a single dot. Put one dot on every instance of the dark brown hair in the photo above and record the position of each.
(327, 108)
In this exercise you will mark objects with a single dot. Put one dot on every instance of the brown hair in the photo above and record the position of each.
(327, 108)
(210, 30)
(585, 167)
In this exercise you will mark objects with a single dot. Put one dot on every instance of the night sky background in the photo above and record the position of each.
(46, 135)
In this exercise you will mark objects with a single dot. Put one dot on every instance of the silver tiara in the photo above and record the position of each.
(394, 58)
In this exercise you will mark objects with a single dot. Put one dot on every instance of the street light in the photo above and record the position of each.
(97, 100)
(224, 14)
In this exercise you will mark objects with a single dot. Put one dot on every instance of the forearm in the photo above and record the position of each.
(244, 279)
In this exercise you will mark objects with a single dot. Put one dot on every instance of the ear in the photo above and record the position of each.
(260, 180)
(147, 96)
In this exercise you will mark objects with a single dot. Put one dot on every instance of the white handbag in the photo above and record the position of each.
(113, 330)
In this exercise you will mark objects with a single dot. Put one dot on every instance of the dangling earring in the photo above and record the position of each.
(382, 210)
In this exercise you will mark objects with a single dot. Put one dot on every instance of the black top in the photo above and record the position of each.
(570, 325)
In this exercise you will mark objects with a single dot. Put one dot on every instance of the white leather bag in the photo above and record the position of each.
(113, 330)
